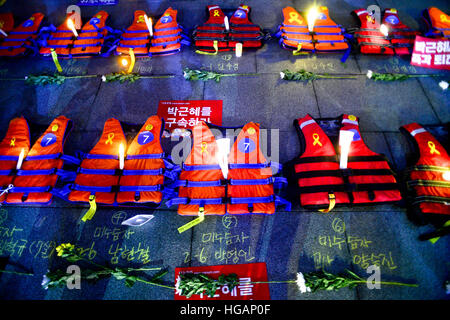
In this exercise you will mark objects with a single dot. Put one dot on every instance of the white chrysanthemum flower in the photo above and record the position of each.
(184, 74)
(103, 78)
(45, 281)
(177, 285)
(369, 74)
(282, 75)
(443, 84)
(26, 77)
(301, 284)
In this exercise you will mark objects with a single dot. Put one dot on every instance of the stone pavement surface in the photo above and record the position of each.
(288, 242)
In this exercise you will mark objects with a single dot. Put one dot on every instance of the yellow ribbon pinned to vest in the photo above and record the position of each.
(293, 17)
(204, 147)
(13, 142)
(55, 60)
(92, 209)
(110, 138)
(196, 221)
(215, 46)
(316, 138)
(432, 147)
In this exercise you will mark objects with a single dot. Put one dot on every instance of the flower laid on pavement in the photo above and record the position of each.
(396, 76)
(443, 84)
(203, 75)
(304, 75)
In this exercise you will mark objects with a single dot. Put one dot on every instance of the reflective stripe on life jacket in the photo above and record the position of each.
(137, 36)
(142, 177)
(368, 178)
(20, 38)
(61, 40)
(438, 23)
(167, 34)
(326, 34)
(34, 181)
(91, 37)
(248, 187)
(399, 40)
(429, 179)
(213, 36)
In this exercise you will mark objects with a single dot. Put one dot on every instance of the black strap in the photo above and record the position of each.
(351, 187)
(434, 199)
(344, 172)
(429, 183)
(316, 159)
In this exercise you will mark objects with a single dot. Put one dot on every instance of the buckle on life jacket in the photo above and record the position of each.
(346, 172)
(13, 172)
(332, 203)
(137, 196)
(225, 182)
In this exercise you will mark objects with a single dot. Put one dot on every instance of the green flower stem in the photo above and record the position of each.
(155, 284)
(15, 272)
(389, 283)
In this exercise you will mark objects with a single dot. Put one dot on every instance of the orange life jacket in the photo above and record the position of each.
(429, 179)
(142, 177)
(399, 40)
(248, 188)
(322, 185)
(6, 23)
(326, 35)
(21, 38)
(438, 23)
(136, 36)
(42, 164)
(60, 40)
(213, 37)
(91, 37)
(167, 34)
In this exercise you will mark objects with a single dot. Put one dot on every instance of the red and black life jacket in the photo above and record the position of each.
(428, 182)
(322, 185)
(91, 37)
(21, 38)
(6, 23)
(42, 165)
(248, 188)
(438, 23)
(327, 36)
(59, 40)
(141, 180)
(399, 40)
(137, 36)
(212, 36)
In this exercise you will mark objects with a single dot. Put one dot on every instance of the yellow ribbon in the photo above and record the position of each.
(316, 138)
(216, 13)
(444, 18)
(92, 209)
(204, 147)
(110, 138)
(293, 17)
(55, 60)
(140, 19)
(187, 226)
(133, 60)
(215, 46)
(432, 147)
(332, 203)
(13, 142)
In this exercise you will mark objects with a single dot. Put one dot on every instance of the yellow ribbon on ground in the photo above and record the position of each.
(215, 46)
(332, 199)
(196, 221)
(92, 209)
(55, 60)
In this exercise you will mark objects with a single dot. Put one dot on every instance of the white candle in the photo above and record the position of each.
(121, 156)
(223, 149)
(19, 162)
(238, 49)
(384, 30)
(71, 26)
(227, 25)
(311, 17)
(148, 22)
(3, 33)
(345, 140)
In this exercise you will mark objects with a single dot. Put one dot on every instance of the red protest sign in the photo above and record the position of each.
(245, 290)
(431, 53)
(186, 114)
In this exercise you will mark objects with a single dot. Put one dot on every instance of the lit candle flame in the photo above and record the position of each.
(148, 22)
(124, 62)
(71, 26)
(312, 15)
(345, 140)
(384, 30)
(21, 156)
(446, 175)
(121, 156)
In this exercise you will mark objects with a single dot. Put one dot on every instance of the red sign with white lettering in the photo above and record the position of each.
(431, 53)
(185, 114)
(245, 290)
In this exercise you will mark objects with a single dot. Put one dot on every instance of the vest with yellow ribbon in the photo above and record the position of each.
(322, 182)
